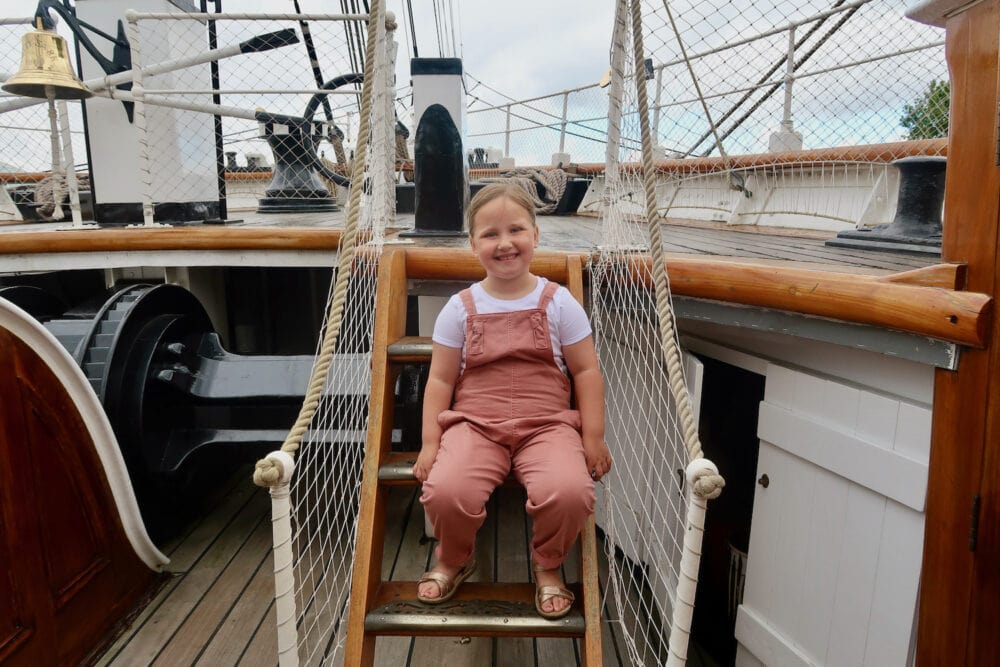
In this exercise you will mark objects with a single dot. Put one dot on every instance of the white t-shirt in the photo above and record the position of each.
(568, 323)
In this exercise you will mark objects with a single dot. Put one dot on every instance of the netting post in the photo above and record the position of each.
(57, 212)
(284, 573)
(139, 118)
(687, 584)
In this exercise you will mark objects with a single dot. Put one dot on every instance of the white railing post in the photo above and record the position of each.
(687, 580)
(562, 157)
(57, 212)
(656, 105)
(70, 162)
(786, 119)
(139, 118)
(562, 132)
(284, 574)
(507, 162)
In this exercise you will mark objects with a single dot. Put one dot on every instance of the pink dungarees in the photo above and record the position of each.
(511, 407)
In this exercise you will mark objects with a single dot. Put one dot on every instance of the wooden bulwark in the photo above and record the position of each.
(922, 302)
(172, 238)
(961, 317)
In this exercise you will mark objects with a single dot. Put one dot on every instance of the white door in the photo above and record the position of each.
(837, 532)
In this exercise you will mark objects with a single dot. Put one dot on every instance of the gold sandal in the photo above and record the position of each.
(546, 593)
(446, 585)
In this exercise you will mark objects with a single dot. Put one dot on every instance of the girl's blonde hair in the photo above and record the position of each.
(509, 189)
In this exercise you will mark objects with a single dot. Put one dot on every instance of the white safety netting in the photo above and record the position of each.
(313, 584)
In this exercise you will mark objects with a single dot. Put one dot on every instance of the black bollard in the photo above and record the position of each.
(295, 186)
(438, 175)
(916, 226)
(439, 193)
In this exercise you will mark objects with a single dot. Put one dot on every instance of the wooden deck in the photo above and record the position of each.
(562, 233)
(216, 606)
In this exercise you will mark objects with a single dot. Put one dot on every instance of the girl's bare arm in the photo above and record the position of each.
(581, 360)
(445, 362)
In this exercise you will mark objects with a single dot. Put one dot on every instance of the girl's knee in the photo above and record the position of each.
(572, 498)
(449, 495)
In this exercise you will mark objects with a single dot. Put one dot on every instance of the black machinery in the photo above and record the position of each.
(179, 403)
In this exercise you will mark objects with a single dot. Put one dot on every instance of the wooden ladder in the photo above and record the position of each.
(379, 607)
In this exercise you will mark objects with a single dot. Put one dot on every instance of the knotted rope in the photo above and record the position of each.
(708, 485)
(267, 472)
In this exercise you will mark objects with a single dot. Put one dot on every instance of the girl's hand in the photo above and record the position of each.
(598, 458)
(425, 460)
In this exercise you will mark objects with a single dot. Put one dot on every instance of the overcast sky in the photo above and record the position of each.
(526, 48)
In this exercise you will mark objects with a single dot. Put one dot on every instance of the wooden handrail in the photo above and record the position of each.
(866, 153)
(917, 303)
(171, 238)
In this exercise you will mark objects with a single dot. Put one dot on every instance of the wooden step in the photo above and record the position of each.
(478, 609)
(410, 349)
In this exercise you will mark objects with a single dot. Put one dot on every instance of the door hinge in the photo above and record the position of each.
(974, 523)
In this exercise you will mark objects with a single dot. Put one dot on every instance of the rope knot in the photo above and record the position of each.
(705, 479)
(267, 472)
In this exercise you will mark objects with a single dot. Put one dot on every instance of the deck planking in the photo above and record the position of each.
(218, 608)
(559, 233)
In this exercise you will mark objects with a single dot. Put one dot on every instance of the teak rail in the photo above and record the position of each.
(910, 301)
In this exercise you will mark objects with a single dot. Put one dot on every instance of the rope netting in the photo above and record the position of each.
(314, 553)
(652, 504)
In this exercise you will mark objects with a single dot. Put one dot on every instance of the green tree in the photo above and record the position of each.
(927, 117)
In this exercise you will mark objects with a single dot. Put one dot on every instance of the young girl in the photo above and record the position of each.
(498, 397)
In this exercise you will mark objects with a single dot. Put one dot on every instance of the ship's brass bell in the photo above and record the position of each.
(45, 66)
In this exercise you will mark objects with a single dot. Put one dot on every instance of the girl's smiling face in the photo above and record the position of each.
(504, 238)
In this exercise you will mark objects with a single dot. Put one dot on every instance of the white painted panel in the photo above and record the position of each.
(694, 375)
(728, 355)
(776, 555)
(858, 557)
(822, 540)
(885, 471)
(913, 432)
(766, 644)
(810, 394)
(877, 416)
(840, 405)
(889, 375)
(896, 583)
(744, 658)
(780, 386)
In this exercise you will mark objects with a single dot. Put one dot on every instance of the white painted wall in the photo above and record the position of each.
(182, 142)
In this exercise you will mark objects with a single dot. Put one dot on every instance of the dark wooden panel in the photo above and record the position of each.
(74, 571)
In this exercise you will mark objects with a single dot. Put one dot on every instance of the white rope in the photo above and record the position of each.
(69, 165)
(687, 584)
(139, 119)
(57, 212)
(264, 474)
(668, 334)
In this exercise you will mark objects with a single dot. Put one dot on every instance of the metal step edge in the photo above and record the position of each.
(410, 348)
(398, 471)
(476, 610)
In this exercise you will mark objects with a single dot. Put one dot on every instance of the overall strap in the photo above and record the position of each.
(467, 301)
(547, 293)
